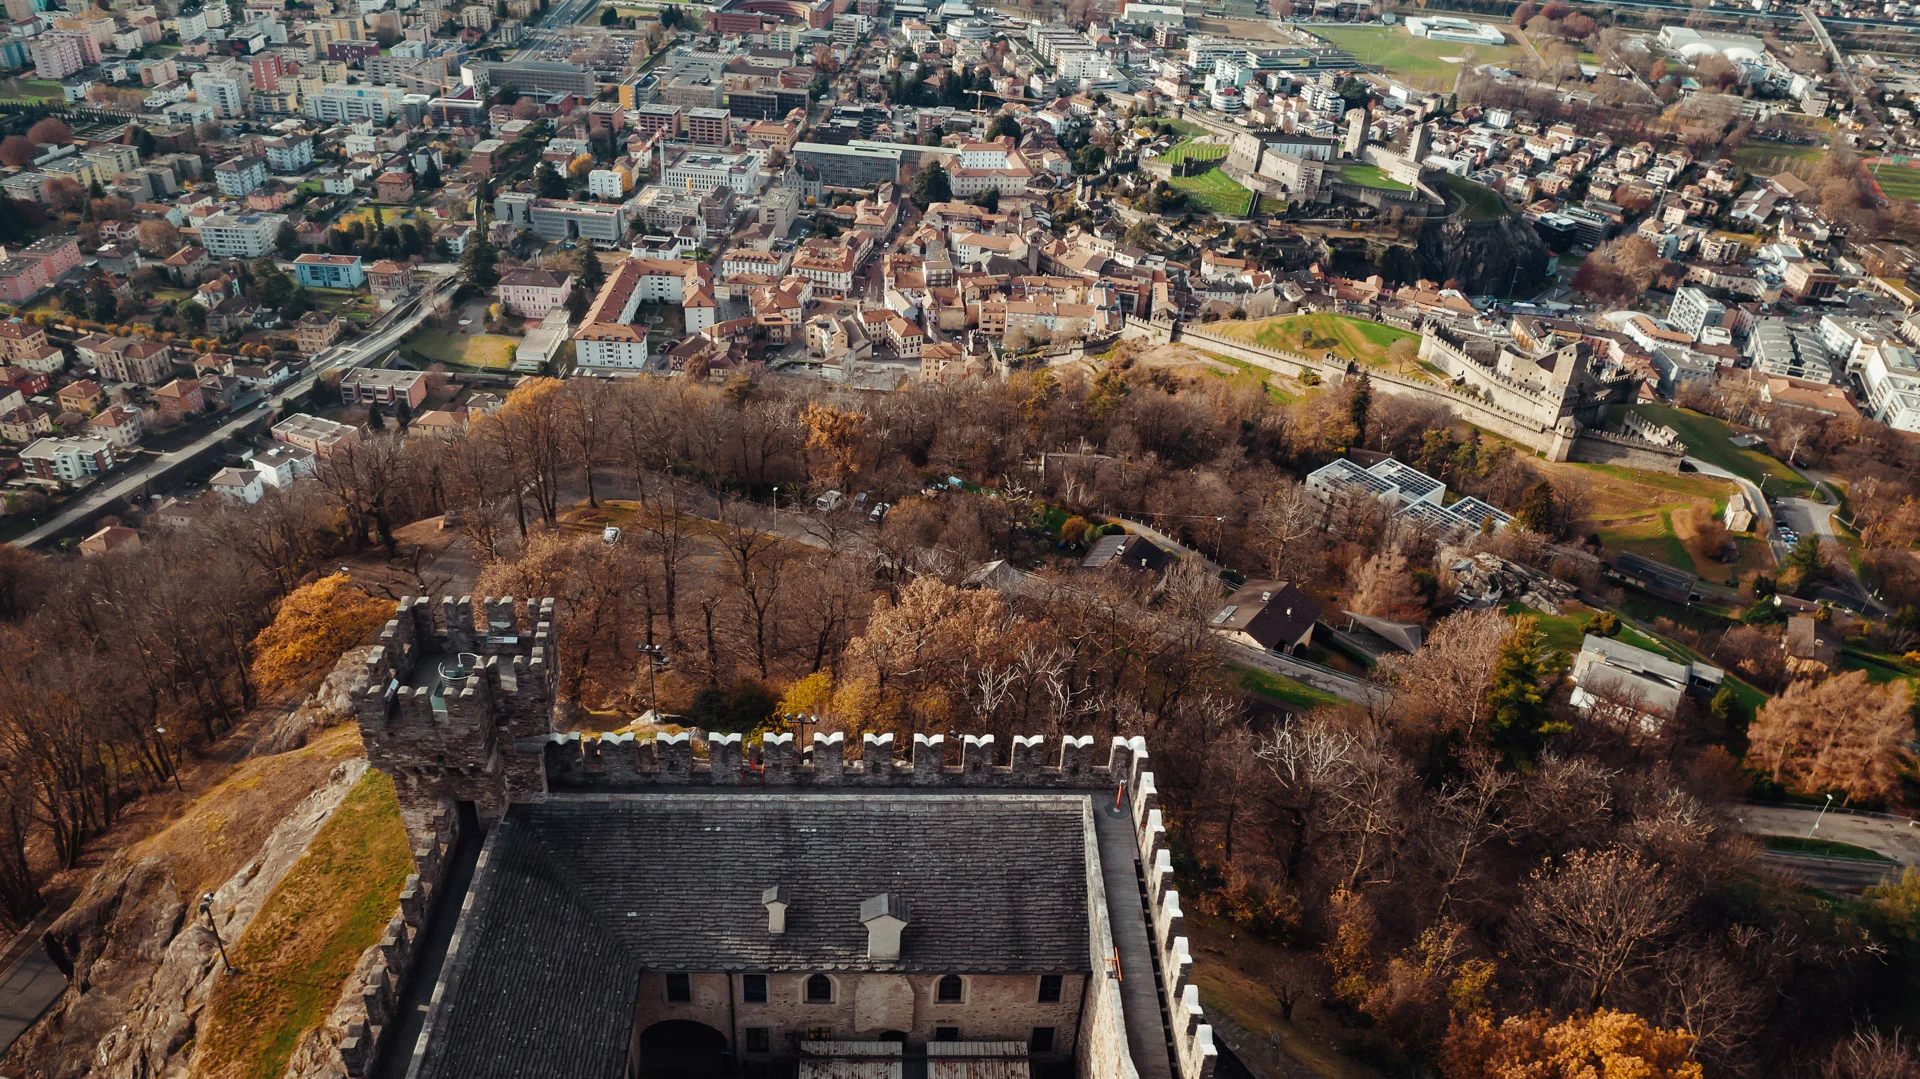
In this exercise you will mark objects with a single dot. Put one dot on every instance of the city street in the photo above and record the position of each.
(123, 483)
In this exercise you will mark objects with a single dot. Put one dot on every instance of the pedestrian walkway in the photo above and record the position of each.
(1149, 1029)
(28, 989)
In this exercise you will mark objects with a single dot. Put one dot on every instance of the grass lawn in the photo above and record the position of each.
(1826, 848)
(1483, 202)
(484, 351)
(1423, 64)
(1563, 632)
(31, 90)
(331, 906)
(337, 301)
(1371, 176)
(1235, 972)
(1356, 339)
(1881, 667)
(1773, 158)
(1191, 149)
(1246, 374)
(1215, 191)
(1651, 536)
(388, 215)
(1709, 440)
(1284, 690)
(1899, 182)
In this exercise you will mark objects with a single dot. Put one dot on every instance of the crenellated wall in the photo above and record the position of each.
(450, 701)
(614, 762)
(379, 990)
(1193, 1048)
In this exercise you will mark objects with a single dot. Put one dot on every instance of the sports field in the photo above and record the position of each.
(1424, 64)
(484, 351)
(1898, 182)
(31, 90)
(1773, 158)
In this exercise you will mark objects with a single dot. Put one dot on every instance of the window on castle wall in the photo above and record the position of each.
(819, 989)
(951, 989)
(679, 988)
(759, 1040)
(1041, 1040)
(1050, 988)
(753, 988)
(946, 1034)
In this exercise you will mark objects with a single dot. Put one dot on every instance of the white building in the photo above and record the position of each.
(607, 184)
(282, 463)
(344, 103)
(225, 95)
(247, 236)
(1892, 378)
(702, 172)
(237, 484)
(1693, 311)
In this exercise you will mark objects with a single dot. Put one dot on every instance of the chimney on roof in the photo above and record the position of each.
(776, 905)
(885, 915)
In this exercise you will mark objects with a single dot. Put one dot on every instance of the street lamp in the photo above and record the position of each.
(656, 658)
(206, 911)
(801, 720)
(1822, 814)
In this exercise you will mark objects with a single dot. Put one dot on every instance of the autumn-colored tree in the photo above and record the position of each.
(1073, 531)
(1385, 588)
(50, 130)
(839, 437)
(315, 623)
(1603, 1045)
(17, 150)
(1588, 926)
(1443, 687)
(1843, 734)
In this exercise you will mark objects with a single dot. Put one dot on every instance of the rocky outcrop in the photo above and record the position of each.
(331, 703)
(1492, 257)
(145, 965)
(1486, 257)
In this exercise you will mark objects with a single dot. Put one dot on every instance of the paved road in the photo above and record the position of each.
(1344, 686)
(27, 989)
(120, 484)
(1897, 839)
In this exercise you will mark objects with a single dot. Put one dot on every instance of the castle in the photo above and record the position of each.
(686, 904)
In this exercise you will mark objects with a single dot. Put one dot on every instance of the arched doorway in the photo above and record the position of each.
(682, 1049)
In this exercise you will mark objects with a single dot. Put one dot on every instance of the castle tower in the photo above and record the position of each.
(458, 708)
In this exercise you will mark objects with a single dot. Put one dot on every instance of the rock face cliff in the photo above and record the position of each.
(1487, 257)
(144, 965)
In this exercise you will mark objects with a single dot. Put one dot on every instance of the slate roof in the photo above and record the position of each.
(578, 895)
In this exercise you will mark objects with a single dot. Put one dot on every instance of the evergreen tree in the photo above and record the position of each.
(1005, 126)
(479, 266)
(1536, 509)
(1519, 717)
(402, 413)
(592, 275)
(548, 183)
(1360, 406)
(430, 179)
(988, 199)
(376, 419)
(931, 186)
(285, 241)
(379, 220)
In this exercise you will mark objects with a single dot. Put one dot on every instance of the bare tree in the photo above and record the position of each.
(1593, 922)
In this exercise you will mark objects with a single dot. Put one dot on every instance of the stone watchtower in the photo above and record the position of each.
(457, 710)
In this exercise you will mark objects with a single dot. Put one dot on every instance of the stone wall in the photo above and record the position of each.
(368, 1007)
(616, 762)
(1473, 409)
(1103, 1052)
(1608, 448)
(1194, 1053)
(994, 1007)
